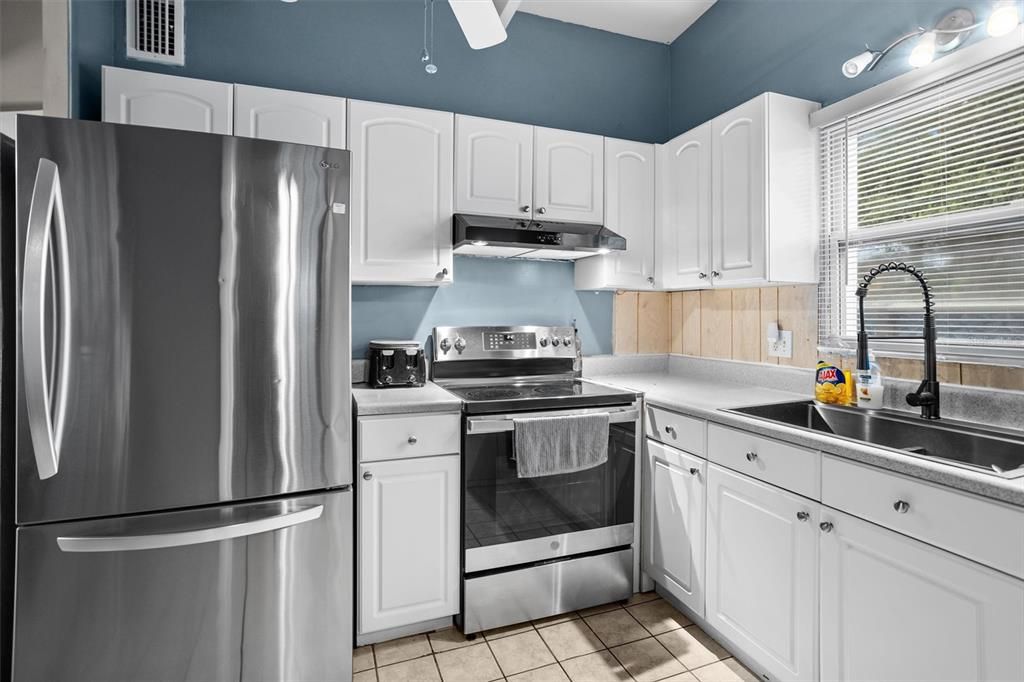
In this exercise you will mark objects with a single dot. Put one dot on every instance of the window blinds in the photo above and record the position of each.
(935, 179)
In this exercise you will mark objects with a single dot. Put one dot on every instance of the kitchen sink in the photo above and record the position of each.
(994, 451)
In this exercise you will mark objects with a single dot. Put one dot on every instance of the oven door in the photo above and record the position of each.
(510, 521)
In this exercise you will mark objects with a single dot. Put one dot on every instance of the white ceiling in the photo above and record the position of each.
(658, 20)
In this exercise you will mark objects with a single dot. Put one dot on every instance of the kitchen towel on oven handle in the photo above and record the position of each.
(548, 446)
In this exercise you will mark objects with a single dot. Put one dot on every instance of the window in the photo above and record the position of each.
(934, 180)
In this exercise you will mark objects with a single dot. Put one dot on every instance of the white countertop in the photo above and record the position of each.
(403, 400)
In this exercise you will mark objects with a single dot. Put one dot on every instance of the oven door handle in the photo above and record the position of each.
(504, 422)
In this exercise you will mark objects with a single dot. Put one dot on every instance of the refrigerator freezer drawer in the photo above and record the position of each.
(260, 591)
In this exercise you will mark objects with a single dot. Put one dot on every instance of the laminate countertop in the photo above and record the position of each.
(706, 398)
(404, 400)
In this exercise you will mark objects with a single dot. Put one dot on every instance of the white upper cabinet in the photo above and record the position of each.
(288, 116)
(153, 99)
(493, 167)
(568, 178)
(738, 198)
(629, 212)
(895, 609)
(685, 229)
(401, 206)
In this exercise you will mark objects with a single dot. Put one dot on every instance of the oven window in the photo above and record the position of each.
(501, 507)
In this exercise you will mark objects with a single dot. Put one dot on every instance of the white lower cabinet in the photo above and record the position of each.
(408, 542)
(893, 608)
(762, 573)
(675, 511)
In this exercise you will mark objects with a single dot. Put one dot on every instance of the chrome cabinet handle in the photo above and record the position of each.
(128, 543)
(443, 273)
(367, 475)
(702, 275)
(670, 430)
(751, 456)
(715, 274)
(694, 471)
(802, 515)
(45, 210)
(525, 209)
(901, 507)
(826, 526)
(542, 210)
(413, 440)
(650, 280)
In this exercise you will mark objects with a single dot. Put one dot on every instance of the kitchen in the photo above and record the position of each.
(546, 410)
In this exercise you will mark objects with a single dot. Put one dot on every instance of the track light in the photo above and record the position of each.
(1004, 18)
(924, 52)
(853, 67)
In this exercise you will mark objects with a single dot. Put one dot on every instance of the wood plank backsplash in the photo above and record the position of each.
(730, 324)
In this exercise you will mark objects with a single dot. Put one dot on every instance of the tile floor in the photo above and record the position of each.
(643, 639)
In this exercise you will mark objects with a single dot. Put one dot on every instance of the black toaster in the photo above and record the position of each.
(396, 363)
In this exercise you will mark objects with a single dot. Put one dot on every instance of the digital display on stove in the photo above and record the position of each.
(510, 341)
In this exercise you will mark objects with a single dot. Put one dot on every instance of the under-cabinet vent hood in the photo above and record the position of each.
(481, 235)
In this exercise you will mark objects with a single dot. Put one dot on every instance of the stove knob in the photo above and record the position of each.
(460, 344)
(446, 345)
(543, 342)
(566, 341)
(412, 379)
(555, 341)
(388, 379)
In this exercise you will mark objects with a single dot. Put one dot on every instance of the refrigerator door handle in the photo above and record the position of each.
(162, 540)
(46, 210)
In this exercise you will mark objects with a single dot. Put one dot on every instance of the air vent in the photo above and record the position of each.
(156, 30)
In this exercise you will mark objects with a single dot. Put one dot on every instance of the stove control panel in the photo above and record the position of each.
(510, 340)
(503, 343)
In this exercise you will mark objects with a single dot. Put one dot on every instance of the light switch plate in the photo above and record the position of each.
(782, 347)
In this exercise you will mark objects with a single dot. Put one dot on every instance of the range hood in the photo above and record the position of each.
(481, 235)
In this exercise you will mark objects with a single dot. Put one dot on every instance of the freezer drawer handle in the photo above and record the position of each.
(128, 543)
(46, 209)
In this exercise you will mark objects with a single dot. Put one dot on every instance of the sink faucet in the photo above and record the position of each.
(927, 394)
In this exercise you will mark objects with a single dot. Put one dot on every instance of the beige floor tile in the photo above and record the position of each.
(729, 670)
(681, 677)
(549, 673)
(417, 670)
(647, 660)
(658, 616)
(520, 653)
(448, 639)
(365, 676)
(599, 666)
(583, 613)
(468, 664)
(403, 649)
(616, 627)
(567, 640)
(555, 620)
(641, 597)
(362, 659)
(508, 630)
(693, 647)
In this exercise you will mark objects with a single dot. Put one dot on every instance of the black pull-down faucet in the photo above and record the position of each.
(927, 394)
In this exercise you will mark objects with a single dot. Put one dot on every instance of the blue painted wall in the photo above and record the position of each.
(486, 291)
(741, 48)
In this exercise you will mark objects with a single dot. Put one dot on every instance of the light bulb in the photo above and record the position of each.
(853, 67)
(604, 251)
(1004, 18)
(479, 242)
(924, 52)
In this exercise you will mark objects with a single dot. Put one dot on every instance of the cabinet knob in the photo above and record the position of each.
(802, 515)
(702, 275)
(671, 430)
(367, 475)
(715, 274)
(650, 280)
(525, 209)
(825, 526)
(901, 507)
(694, 471)
(542, 210)
(412, 440)
(751, 456)
(443, 273)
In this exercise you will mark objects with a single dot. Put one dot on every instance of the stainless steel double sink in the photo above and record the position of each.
(999, 452)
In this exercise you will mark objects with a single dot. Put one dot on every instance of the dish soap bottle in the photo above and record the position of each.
(870, 391)
(832, 385)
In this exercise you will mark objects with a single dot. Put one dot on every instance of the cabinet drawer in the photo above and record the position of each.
(685, 433)
(986, 531)
(404, 436)
(787, 466)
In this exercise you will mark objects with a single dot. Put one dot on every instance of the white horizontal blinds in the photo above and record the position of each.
(935, 180)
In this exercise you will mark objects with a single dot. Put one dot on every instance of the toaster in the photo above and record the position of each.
(396, 363)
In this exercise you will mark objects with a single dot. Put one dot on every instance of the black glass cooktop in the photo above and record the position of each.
(492, 398)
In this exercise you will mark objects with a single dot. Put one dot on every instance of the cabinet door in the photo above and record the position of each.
(685, 235)
(408, 535)
(674, 556)
(401, 204)
(762, 577)
(287, 116)
(893, 608)
(568, 176)
(738, 212)
(153, 99)
(493, 167)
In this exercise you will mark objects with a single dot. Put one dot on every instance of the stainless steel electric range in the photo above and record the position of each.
(537, 547)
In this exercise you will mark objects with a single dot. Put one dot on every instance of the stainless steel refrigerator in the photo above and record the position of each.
(182, 411)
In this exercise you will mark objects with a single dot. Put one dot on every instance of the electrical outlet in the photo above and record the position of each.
(781, 347)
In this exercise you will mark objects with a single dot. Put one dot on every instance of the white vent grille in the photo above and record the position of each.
(156, 30)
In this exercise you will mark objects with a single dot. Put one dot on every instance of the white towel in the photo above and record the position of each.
(547, 446)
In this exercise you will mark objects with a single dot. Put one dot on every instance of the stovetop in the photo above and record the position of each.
(515, 396)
